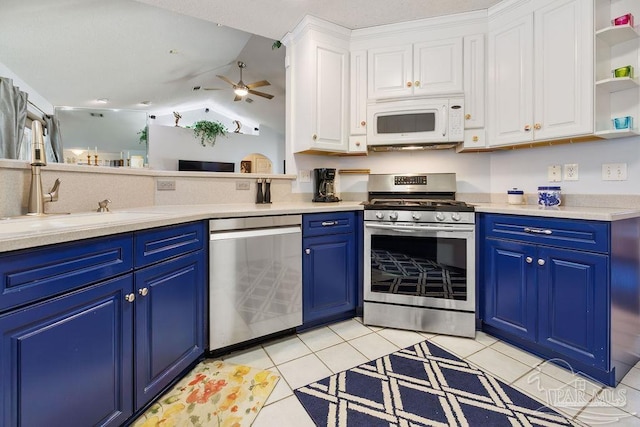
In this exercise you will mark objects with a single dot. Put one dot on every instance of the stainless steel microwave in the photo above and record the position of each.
(415, 122)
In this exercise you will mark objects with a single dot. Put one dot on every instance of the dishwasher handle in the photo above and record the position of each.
(259, 232)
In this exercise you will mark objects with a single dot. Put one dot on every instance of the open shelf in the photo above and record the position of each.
(617, 133)
(616, 84)
(617, 34)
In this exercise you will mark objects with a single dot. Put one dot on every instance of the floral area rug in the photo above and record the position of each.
(421, 385)
(216, 394)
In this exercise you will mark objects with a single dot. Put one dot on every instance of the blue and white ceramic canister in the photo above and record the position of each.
(549, 196)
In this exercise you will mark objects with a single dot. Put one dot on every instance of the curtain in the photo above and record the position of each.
(13, 117)
(54, 148)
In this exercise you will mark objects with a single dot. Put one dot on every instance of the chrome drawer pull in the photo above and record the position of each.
(329, 223)
(529, 260)
(537, 231)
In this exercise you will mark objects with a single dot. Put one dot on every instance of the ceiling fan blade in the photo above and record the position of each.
(258, 84)
(262, 94)
(237, 98)
(226, 80)
(212, 88)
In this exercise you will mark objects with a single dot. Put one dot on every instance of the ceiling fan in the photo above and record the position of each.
(241, 89)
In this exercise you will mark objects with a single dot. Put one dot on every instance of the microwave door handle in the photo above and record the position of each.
(445, 121)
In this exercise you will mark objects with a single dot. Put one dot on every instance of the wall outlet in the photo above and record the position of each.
(571, 172)
(242, 185)
(614, 171)
(166, 185)
(554, 173)
(304, 175)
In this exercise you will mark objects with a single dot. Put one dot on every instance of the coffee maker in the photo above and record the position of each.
(324, 179)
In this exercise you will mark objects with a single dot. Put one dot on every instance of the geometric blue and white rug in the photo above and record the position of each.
(421, 385)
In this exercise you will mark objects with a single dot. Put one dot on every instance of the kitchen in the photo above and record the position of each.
(481, 177)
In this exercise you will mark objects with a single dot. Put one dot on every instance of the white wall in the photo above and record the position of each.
(496, 172)
(527, 168)
(168, 144)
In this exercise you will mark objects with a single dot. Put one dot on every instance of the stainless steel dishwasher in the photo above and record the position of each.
(255, 277)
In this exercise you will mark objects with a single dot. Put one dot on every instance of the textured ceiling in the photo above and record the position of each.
(75, 51)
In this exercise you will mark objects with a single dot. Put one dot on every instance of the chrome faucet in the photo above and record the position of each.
(37, 198)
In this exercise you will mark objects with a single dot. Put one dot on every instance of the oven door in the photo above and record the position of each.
(430, 265)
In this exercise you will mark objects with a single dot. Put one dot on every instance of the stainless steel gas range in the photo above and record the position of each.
(419, 246)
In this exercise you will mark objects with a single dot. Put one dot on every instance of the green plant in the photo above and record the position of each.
(143, 135)
(276, 45)
(208, 131)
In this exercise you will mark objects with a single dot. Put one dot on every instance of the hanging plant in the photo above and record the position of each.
(276, 45)
(143, 135)
(208, 131)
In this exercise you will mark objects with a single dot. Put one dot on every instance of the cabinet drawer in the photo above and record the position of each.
(33, 274)
(328, 223)
(573, 234)
(156, 245)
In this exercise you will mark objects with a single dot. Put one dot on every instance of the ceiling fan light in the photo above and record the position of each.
(241, 91)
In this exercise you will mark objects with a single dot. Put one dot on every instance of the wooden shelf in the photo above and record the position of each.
(617, 34)
(617, 84)
(354, 171)
(617, 133)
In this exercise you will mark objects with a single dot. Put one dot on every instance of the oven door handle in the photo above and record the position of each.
(418, 229)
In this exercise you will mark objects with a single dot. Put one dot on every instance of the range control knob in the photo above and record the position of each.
(456, 216)
(393, 216)
(379, 215)
(416, 215)
(440, 216)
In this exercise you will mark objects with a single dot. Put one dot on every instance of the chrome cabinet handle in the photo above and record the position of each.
(540, 261)
(307, 251)
(143, 291)
(130, 297)
(537, 231)
(527, 128)
(529, 260)
(409, 84)
(329, 223)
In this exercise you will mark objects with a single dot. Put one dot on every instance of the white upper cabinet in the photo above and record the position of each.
(563, 77)
(319, 77)
(541, 72)
(510, 83)
(390, 72)
(358, 116)
(474, 81)
(419, 69)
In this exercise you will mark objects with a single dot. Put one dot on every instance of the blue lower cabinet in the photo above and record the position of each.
(573, 305)
(329, 276)
(169, 322)
(67, 361)
(331, 267)
(542, 291)
(510, 291)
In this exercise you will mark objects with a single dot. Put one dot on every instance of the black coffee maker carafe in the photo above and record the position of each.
(324, 189)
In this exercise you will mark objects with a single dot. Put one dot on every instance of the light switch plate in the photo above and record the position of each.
(614, 171)
(304, 175)
(554, 173)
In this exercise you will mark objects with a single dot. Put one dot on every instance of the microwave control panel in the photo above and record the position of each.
(456, 121)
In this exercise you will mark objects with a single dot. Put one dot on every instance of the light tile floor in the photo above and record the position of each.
(313, 355)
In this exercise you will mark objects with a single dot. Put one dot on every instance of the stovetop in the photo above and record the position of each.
(418, 205)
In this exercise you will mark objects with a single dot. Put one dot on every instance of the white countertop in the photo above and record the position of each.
(26, 232)
(570, 212)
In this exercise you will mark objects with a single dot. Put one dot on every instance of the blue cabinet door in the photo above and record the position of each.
(573, 305)
(510, 299)
(68, 360)
(329, 276)
(169, 322)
